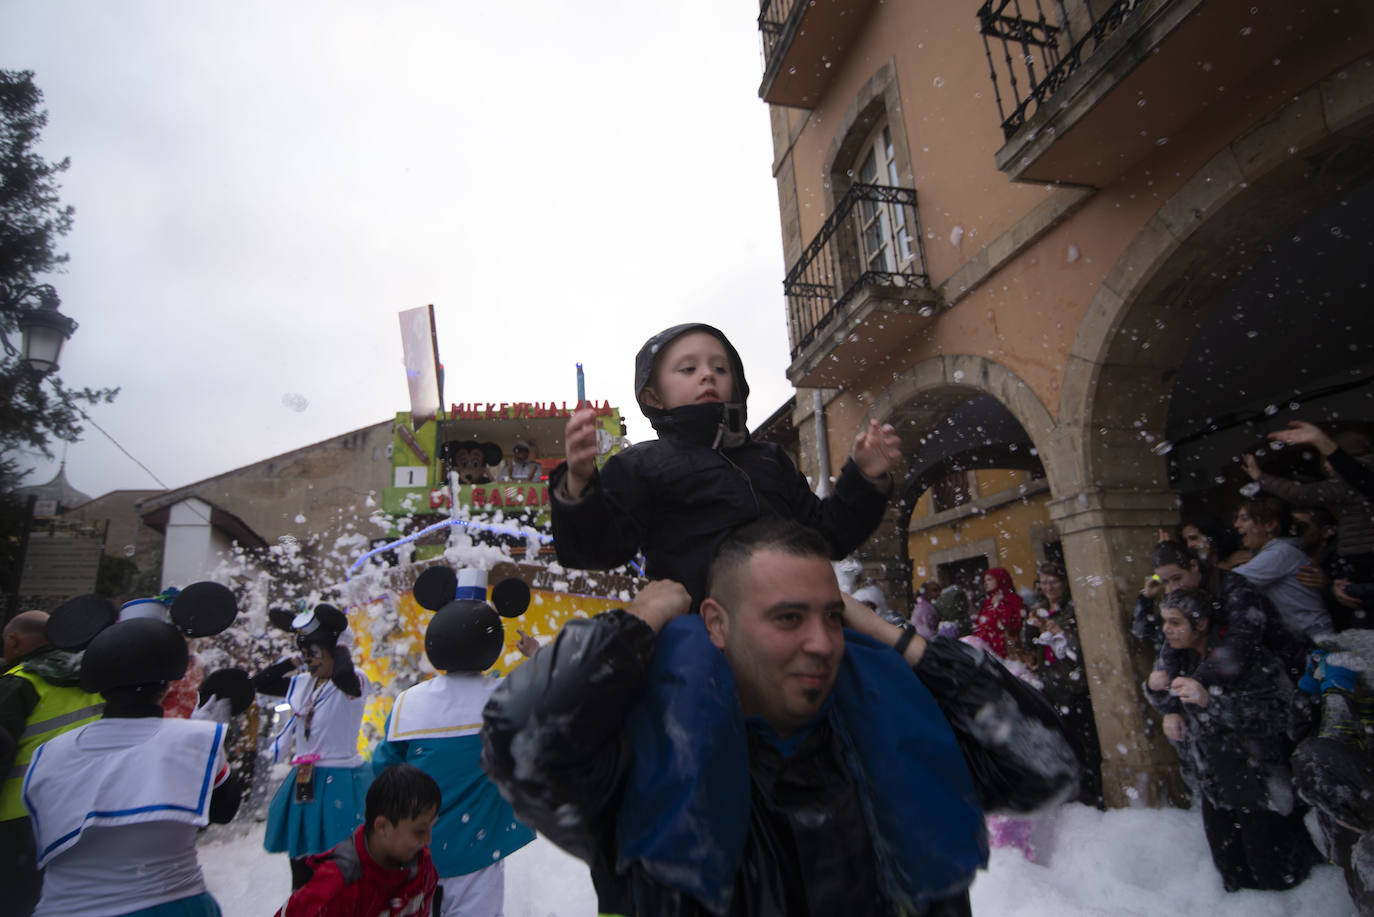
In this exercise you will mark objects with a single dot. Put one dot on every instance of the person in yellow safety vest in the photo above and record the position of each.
(39, 698)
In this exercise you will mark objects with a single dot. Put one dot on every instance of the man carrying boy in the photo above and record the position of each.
(760, 758)
(384, 867)
(677, 497)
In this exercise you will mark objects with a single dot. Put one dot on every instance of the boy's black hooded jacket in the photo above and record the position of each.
(676, 498)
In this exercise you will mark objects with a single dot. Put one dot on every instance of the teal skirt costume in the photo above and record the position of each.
(302, 828)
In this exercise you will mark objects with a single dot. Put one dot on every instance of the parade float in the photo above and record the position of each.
(457, 497)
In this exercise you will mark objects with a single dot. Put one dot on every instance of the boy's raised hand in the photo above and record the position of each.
(877, 450)
(579, 439)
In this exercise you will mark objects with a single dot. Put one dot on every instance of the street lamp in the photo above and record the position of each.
(44, 331)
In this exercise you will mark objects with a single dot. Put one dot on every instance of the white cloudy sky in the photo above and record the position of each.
(261, 186)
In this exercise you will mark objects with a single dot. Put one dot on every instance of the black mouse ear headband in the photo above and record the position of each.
(466, 634)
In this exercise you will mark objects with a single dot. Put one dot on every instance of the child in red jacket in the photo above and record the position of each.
(384, 868)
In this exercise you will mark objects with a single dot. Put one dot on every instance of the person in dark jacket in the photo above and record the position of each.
(1236, 739)
(1053, 625)
(675, 498)
(762, 776)
(1242, 618)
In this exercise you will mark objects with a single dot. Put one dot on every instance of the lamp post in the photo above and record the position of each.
(44, 329)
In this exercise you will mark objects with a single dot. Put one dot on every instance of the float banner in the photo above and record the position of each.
(420, 344)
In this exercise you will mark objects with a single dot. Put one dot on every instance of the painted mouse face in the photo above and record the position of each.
(471, 460)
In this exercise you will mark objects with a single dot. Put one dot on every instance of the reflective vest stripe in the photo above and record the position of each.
(64, 720)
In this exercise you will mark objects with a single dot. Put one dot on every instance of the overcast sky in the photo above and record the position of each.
(260, 188)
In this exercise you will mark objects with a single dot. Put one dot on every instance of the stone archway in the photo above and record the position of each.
(924, 395)
(1114, 488)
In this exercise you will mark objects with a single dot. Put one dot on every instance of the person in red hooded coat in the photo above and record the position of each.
(1003, 613)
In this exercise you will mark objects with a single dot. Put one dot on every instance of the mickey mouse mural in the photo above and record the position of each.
(129, 791)
(471, 461)
(436, 726)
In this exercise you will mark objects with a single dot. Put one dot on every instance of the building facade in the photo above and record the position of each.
(1100, 247)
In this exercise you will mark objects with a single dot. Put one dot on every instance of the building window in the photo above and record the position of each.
(952, 490)
(887, 239)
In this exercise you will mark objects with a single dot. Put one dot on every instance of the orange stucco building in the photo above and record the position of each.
(1101, 247)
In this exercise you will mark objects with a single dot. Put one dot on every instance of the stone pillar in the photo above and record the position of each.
(1108, 536)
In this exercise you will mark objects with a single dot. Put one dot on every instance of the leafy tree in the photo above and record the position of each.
(33, 409)
(32, 220)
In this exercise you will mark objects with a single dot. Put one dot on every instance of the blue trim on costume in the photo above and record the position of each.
(139, 810)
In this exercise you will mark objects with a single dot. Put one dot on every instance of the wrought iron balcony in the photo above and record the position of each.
(1059, 46)
(804, 42)
(866, 257)
(1088, 88)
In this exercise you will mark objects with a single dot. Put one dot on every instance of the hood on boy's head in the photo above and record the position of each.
(647, 358)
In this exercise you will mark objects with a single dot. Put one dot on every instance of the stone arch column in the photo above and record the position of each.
(1114, 490)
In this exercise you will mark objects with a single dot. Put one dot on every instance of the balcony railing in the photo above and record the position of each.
(871, 240)
(1059, 47)
(773, 16)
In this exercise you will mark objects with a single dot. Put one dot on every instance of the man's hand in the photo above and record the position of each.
(1158, 680)
(527, 645)
(579, 447)
(1252, 468)
(1173, 726)
(1190, 691)
(1344, 598)
(1152, 588)
(877, 450)
(1312, 576)
(1300, 431)
(659, 602)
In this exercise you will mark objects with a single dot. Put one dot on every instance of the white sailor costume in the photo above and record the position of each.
(323, 731)
(115, 806)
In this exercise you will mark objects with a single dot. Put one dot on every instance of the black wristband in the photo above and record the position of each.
(905, 639)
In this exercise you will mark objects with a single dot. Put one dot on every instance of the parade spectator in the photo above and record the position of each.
(434, 726)
(1354, 513)
(321, 800)
(1333, 765)
(117, 803)
(1001, 616)
(955, 613)
(383, 869)
(521, 466)
(1236, 741)
(1064, 679)
(677, 497)
(924, 617)
(1357, 472)
(1242, 619)
(1263, 522)
(790, 793)
(1210, 541)
(40, 698)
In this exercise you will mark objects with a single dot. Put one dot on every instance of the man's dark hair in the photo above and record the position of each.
(1195, 604)
(771, 533)
(1270, 510)
(401, 791)
(1171, 552)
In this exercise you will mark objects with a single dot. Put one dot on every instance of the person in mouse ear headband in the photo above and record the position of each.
(116, 803)
(324, 797)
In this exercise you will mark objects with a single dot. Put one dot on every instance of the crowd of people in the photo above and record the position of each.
(714, 747)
